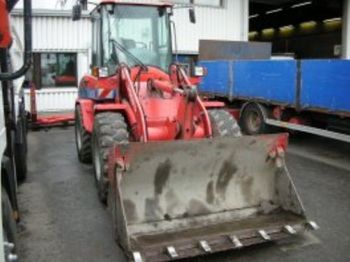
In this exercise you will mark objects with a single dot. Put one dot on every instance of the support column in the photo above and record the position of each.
(245, 20)
(346, 30)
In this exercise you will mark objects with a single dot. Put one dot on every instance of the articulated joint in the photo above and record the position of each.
(191, 93)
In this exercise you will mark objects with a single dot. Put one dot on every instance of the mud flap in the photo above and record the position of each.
(188, 198)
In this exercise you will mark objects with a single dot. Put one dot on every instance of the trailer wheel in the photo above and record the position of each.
(252, 120)
(9, 227)
(82, 138)
(224, 124)
(109, 129)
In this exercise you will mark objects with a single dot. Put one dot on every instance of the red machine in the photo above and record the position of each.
(5, 32)
(176, 173)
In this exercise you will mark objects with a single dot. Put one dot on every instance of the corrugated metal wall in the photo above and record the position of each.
(227, 23)
(54, 31)
(53, 99)
(57, 33)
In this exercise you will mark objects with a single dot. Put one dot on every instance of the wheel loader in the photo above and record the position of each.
(179, 178)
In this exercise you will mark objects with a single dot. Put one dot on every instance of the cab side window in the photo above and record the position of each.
(109, 60)
(96, 38)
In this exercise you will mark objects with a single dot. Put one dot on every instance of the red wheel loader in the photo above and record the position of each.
(175, 171)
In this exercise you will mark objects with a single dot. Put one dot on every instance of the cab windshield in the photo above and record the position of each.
(138, 34)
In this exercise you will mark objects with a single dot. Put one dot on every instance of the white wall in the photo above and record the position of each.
(227, 23)
(48, 4)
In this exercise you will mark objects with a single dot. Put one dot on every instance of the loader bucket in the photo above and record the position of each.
(181, 199)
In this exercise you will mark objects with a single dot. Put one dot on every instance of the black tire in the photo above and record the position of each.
(21, 147)
(8, 225)
(82, 138)
(21, 162)
(109, 128)
(252, 120)
(224, 124)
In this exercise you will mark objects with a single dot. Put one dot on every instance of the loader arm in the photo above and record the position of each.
(191, 114)
(127, 89)
(192, 101)
(192, 109)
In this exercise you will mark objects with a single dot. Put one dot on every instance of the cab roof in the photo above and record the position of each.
(137, 2)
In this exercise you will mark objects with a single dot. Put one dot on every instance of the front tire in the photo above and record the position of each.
(82, 138)
(109, 129)
(223, 124)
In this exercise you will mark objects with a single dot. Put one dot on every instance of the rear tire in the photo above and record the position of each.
(252, 120)
(21, 162)
(8, 226)
(82, 138)
(109, 129)
(224, 124)
(21, 148)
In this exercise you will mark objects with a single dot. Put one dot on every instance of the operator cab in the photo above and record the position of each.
(131, 34)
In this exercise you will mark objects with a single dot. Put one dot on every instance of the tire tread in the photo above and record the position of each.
(224, 124)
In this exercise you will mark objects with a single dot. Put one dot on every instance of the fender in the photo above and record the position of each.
(94, 88)
(109, 107)
(87, 111)
(124, 109)
(213, 104)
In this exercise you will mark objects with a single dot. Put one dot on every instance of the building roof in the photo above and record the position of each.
(138, 2)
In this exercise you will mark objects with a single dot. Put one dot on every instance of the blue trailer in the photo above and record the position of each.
(310, 96)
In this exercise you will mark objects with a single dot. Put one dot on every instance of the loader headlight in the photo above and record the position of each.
(200, 71)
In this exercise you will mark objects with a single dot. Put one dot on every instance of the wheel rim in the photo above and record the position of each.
(97, 160)
(254, 121)
(78, 134)
(10, 256)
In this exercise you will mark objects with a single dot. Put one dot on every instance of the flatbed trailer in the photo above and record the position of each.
(309, 96)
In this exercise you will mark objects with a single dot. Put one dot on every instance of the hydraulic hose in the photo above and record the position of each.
(27, 10)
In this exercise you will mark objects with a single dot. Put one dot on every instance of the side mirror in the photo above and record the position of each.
(76, 12)
(192, 14)
(200, 71)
